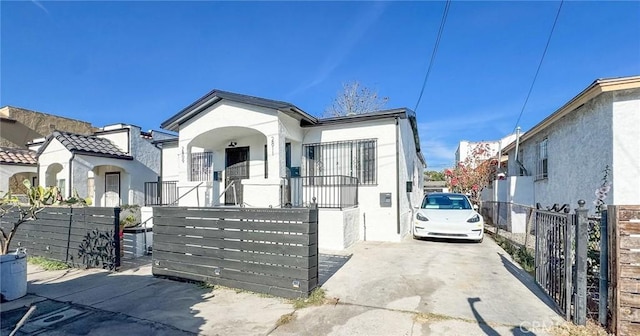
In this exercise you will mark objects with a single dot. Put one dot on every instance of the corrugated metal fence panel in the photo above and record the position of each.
(272, 251)
(81, 237)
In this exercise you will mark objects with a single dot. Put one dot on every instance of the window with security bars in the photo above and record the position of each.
(542, 170)
(356, 158)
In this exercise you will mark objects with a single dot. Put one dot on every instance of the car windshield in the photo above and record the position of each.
(448, 202)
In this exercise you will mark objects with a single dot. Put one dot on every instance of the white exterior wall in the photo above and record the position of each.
(338, 229)
(579, 149)
(410, 170)
(55, 154)
(626, 148)
(170, 159)
(120, 138)
(145, 153)
(377, 223)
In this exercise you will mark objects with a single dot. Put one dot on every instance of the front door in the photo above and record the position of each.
(112, 189)
(236, 169)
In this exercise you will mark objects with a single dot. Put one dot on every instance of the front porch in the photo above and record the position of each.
(327, 192)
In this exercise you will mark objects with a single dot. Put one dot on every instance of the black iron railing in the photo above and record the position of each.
(334, 191)
(165, 193)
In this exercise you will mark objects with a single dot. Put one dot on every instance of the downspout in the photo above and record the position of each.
(397, 177)
(73, 156)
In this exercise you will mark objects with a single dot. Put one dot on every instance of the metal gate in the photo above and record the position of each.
(554, 258)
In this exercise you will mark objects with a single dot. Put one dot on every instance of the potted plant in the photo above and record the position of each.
(13, 264)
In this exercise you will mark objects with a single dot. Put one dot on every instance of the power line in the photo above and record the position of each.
(435, 51)
(539, 65)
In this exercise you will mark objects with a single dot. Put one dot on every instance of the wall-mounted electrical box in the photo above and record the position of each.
(217, 175)
(385, 200)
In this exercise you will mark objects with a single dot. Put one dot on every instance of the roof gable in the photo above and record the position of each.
(86, 145)
(215, 96)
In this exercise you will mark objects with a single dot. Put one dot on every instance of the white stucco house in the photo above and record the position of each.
(363, 171)
(16, 165)
(109, 166)
(562, 159)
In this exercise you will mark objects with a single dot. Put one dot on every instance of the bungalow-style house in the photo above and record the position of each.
(563, 158)
(16, 165)
(18, 126)
(110, 166)
(364, 171)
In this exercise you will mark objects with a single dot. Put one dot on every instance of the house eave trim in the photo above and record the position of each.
(596, 88)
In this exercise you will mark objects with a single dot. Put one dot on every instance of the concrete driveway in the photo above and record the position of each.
(428, 288)
(408, 288)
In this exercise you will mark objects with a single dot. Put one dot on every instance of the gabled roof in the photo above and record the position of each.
(596, 88)
(213, 97)
(17, 156)
(86, 145)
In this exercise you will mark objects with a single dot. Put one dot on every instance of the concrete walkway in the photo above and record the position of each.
(408, 288)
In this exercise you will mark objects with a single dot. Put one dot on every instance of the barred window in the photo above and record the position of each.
(355, 158)
(542, 171)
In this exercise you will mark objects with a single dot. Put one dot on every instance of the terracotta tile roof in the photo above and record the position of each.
(88, 145)
(17, 156)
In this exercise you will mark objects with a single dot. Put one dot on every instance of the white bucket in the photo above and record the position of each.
(13, 275)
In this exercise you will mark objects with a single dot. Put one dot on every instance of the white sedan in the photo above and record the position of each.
(448, 215)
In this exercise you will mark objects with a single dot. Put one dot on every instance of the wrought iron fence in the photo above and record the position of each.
(554, 256)
(335, 191)
(165, 193)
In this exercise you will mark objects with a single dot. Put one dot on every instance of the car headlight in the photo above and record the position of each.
(474, 219)
(422, 218)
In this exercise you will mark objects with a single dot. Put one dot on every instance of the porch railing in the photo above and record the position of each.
(201, 166)
(165, 193)
(334, 191)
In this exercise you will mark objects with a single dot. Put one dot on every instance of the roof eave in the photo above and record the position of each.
(104, 155)
(596, 88)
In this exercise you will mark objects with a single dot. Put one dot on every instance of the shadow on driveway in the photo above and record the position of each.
(487, 329)
(529, 282)
(329, 264)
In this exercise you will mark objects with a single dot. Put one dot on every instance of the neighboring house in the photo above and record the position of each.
(465, 151)
(364, 171)
(435, 186)
(17, 165)
(19, 126)
(109, 166)
(562, 159)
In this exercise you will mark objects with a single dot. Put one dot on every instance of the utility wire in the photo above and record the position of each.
(435, 51)
(539, 65)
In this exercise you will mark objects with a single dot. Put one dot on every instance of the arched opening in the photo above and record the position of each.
(54, 177)
(108, 185)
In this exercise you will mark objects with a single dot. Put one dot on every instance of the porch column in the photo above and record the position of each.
(276, 153)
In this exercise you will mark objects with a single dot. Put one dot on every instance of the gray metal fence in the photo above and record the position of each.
(272, 251)
(553, 256)
(81, 237)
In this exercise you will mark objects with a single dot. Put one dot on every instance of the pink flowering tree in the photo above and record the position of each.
(474, 173)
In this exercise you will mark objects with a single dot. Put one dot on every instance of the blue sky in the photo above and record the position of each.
(141, 62)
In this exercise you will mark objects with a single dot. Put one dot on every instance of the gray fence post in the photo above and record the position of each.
(582, 239)
(116, 237)
(603, 290)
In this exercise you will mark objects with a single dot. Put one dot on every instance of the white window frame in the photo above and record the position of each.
(542, 159)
